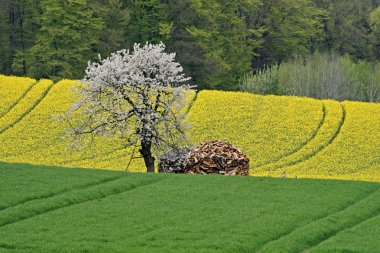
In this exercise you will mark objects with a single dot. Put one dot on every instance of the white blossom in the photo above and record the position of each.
(139, 96)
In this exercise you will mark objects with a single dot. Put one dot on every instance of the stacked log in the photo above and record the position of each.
(217, 157)
(173, 161)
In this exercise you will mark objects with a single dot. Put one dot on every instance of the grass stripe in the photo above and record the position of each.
(63, 191)
(293, 229)
(338, 232)
(46, 205)
(308, 236)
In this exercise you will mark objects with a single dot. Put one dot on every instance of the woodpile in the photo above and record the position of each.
(217, 157)
(173, 161)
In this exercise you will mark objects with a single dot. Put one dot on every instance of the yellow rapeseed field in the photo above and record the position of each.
(11, 90)
(27, 103)
(330, 125)
(40, 136)
(282, 136)
(354, 153)
(266, 128)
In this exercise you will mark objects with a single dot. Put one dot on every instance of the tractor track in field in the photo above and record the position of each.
(325, 235)
(333, 138)
(94, 196)
(60, 192)
(302, 145)
(19, 99)
(44, 94)
(335, 233)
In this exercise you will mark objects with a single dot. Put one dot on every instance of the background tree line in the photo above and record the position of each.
(217, 41)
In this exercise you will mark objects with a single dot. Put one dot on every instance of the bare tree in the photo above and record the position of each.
(139, 96)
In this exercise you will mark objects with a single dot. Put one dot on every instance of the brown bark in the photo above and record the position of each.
(146, 153)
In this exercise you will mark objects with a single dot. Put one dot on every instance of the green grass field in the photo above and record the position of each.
(51, 209)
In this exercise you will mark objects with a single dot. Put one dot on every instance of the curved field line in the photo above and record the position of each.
(53, 194)
(17, 120)
(329, 142)
(18, 100)
(302, 145)
(326, 217)
(68, 202)
(24, 104)
(340, 231)
(290, 162)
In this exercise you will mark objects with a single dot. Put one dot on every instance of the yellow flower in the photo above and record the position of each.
(302, 137)
(13, 89)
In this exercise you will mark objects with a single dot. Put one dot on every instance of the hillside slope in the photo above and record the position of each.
(71, 210)
(282, 136)
(292, 136)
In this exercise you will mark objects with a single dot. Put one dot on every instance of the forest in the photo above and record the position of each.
(221, 44)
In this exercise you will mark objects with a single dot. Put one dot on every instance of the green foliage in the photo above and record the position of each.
(366, 81)
(374, 20)
(331, 76)
(216, 41)
(17, 32)
(320, 76)
(133, 211)
(226, 38)
(264, 81)
(347, 29)
(149, 22)
(68, 33)
(290, 27)
(115, 17)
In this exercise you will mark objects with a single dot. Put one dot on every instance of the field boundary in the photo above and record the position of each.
(18, 119)
(19, 99)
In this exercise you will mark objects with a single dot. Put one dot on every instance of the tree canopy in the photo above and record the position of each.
(217, 41)
(139, 96)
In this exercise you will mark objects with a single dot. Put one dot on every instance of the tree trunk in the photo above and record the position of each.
(145, 151)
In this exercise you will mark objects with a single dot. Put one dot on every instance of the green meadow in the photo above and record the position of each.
(53, 209)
